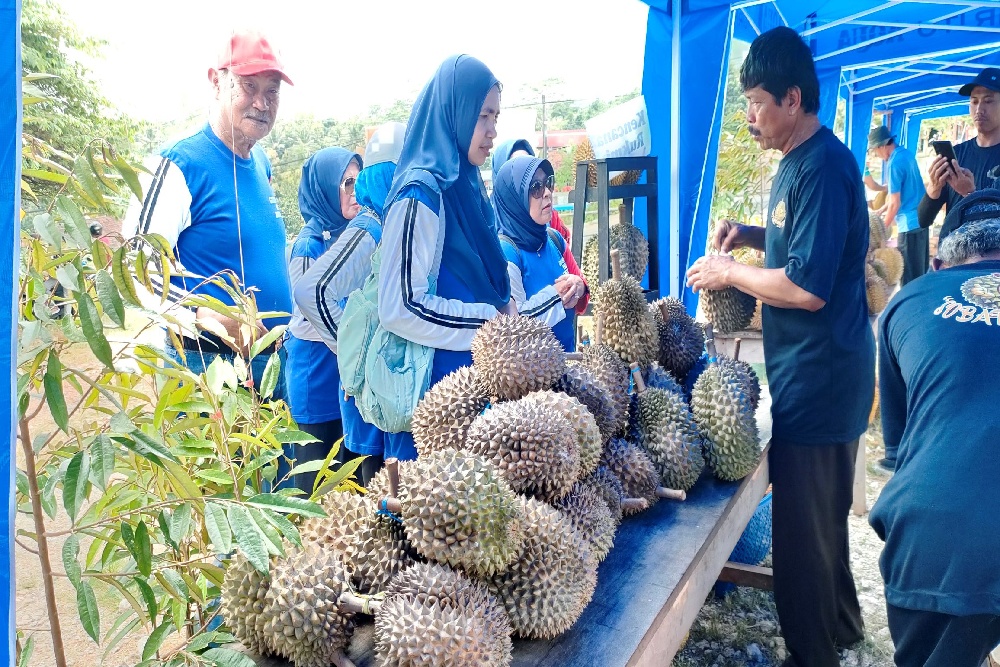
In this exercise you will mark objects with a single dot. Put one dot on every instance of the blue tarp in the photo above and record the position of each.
(906, 58)
(10, 197)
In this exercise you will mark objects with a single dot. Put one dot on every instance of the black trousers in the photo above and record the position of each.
(930, 639)
(814, 589)
(371, 465)
(327, 433)
(915, 248)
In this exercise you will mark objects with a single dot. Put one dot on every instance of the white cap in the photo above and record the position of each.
(386, 144)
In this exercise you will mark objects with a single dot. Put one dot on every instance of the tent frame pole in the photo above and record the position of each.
(675, 153)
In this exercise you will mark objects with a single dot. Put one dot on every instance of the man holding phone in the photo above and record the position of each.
(905, 190)
(976, 162)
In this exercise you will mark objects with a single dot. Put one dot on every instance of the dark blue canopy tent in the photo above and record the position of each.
(903, 57)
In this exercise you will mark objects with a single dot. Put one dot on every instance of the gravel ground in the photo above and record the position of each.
(741, 630)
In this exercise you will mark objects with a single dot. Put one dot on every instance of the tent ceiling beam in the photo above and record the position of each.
(846, 19)
(928, 26)
(891, 35)
(934, 54)
(916, 76)
(750, 21)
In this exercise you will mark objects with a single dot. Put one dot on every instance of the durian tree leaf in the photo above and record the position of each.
(123, 276)
(76, 225)
(49, 495)
(164, 521)
(47, 228)
(90, 614)
(269, 380)
(215, 476)
(309, 466)
(225, 657)
(260, 461)
(143, 553)
(288, 504)
(249, 540)
(331, 479)
(110, 299)
(266, 340)
(102, 460)
(202, 641)
(26, 651)
(272, 538)
(54, 398)
(69, 277)
(217, 526)
(76, 483)
(93, 329)
(147, 596)
(180, 523)
(294, 437)
(284, 526)
(70, 554)
(155, 639)
(128, 175)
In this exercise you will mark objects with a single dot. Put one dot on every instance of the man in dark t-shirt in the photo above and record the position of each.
(818, 347)
(938, 513)
(978, 160)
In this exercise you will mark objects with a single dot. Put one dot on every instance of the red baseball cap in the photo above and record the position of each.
(249, 52)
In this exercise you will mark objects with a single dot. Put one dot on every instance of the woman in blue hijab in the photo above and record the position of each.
(327, 203)
(540, 283)
(323, 290)
(443, 274)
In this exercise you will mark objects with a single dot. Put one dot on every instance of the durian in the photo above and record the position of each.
(515, 355)
(589, 441)
(244, 593)
(892, 260)
(553, 578)
(585, 151)
(609, 488)
(656, 378)
(532, 445)
(628, 326)
(877, 233)
(444, 414)
(634, 469)
(877, 293)
(583, 384)
(681, 340)
(378, 551)
(612, 372)
(757, 321)
(728, 309)
(748, 379)
(628, 240)
(671, 438)
(345, 513)
(302, 617)
(590, 515)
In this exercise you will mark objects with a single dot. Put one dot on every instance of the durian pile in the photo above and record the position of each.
(527, 464)
(883, 265)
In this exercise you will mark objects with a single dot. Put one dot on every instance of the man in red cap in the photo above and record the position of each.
(210, 196)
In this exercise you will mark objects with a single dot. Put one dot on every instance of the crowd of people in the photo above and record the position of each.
(412, 216)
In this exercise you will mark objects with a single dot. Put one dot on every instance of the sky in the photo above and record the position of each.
(346, 56)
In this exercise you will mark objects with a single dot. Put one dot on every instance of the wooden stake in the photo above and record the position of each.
(599, 335)
(616, 264)
(340, 659)
(640, 386)
(636, 504)
(392, 467)
(574, 356)
(664, 311)
(672, 494)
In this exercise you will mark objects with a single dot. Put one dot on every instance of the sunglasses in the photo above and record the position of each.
(537, 188)
(348, 185)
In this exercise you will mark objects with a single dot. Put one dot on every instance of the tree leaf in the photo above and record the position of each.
(93, 329)
(286, 527)
(54, 398)
(155, 639)
(128, 537)
(76, 225)
(269, 380)
(90, 614)
(294, 437)
(69, 277)
(75, 483)
(85, 178)
(218, 528)
(49, 494)
(147, 447)
(123, 276)
(48, 230)
(249, 540)
(271, 536)
(70, 553)
(226, 657)
(266, 340)
(202, 641)
(180, 523)
(164, 522)
(308, 466)
(110, 299)
(128, 175)
(143, 550)
(280, 503)
(148, 597)
(26, 651)
(215, 476)
(102, 460)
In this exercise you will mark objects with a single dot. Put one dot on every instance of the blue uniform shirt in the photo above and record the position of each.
(904, 179)
(539, 270)
(820, 366)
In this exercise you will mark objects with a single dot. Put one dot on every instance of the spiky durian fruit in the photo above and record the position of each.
(628, 240)
(244, 591)
(681, 340)
(609, 488)
(589, 441)
(444, 414)
(532, 445)
(583, 384)
(877, 293)
(877, 233)
(656, 378)
(553, 578)
(728, 309)
(434, 616)
(671, 438)
(345, 513)
(302, 618)
(892, 260)
(747, 377)
(757, 321)
(634, 469)
(458, 509)
(515, 355)
(378, 551)
(591, 516)
(585, 151)
(628, 326)
(727, 423)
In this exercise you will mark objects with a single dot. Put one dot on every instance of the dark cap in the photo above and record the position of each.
(988, 78)
(973, 207)
(880, 136)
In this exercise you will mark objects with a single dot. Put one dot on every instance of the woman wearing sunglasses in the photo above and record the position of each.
(327, 203)
(443, 274)
(540, 283)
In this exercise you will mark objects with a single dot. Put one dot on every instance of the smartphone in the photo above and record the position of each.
(944, 148)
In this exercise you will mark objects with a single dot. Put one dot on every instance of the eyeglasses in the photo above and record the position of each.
(538, 188)
(348, 185)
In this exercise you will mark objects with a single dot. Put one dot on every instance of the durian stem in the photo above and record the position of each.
(392, 467)
(616, 264)
(393, 504)
(672, 494)
(357, 604)
(640, 386)
(736, 348)
(340, 659)
(664, 311)
(710, 342)
(574, 356)
(599, 335)
(635, 504)
(625, 214)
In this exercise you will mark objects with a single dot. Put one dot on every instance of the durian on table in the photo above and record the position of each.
(629, 328)
(628, 240)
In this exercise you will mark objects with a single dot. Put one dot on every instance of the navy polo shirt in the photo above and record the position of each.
(820, 366)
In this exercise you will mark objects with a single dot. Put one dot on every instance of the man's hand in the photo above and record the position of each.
(710, 272)
(570, 289)
(939, 174)
(962, 181)
(237, 334)
(509, 309)
(728, 236)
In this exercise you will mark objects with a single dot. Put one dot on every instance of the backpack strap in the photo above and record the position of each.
(558, 240)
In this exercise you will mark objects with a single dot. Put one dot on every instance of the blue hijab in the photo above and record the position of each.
(502, 153)
(435, 155)
(373, 186)
(319, 191)
(513, 202)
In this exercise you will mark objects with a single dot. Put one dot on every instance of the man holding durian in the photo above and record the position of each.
(818, 346)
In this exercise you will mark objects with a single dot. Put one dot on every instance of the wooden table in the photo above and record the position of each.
(652, 584)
